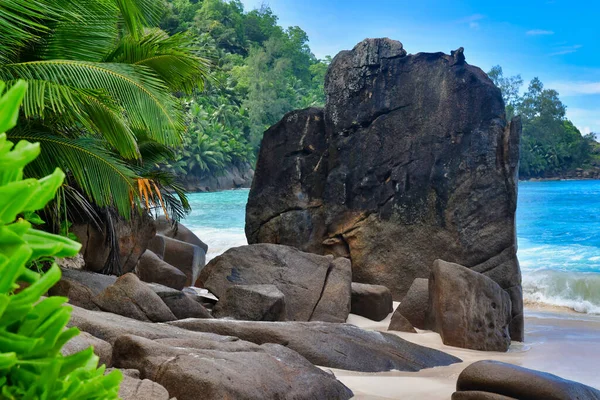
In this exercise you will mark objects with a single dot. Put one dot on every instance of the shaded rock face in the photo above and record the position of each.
(400, 323)
(496, 379)
(83, 341)
(316, 288)
(412, 160)
(415, 305)
(134, 388)
(340, 346)
(152, 269)
(252, 303)
(178, 231)
(181, 304)
(188, 258)
(371, 301)
(468, 309)
(243, 372)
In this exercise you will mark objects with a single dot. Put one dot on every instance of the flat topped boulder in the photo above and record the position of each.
(411, 160)
(316, 288)
(252, 303)
(331, 345)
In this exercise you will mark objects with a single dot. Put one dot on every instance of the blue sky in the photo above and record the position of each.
(555, 40)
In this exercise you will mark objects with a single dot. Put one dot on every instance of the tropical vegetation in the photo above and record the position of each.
(551, 145)
(33, 329)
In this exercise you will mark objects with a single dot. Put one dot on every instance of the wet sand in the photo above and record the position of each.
(557, 341)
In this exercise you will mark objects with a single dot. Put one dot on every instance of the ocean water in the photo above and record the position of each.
(558, 228)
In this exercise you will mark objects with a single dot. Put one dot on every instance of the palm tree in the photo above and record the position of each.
(100, 84)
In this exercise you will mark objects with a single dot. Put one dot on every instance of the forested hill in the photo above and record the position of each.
(263, 71)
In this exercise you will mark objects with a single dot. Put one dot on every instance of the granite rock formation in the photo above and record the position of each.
(411, 160)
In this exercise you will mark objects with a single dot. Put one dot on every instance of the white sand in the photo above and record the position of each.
(556, 340)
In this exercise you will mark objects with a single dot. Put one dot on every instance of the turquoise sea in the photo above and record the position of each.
(558, 227)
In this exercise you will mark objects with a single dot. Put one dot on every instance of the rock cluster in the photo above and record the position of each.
(411, 160)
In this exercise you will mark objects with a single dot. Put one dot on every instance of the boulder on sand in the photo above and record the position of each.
(400, 324)
(411, 160)
(186, 257)
(252, 303)
(246, 372)
(133, 298)
(498, 378)
(331, 345)
(415, 305)
(315, 287)
(153, 269)
(468, 309)
(371, 301)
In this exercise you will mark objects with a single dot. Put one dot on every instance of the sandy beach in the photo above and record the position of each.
(558, 341)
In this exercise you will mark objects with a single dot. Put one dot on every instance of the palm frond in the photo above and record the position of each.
(174, 58)
(139, 14)
(136, 89)
(107, 181)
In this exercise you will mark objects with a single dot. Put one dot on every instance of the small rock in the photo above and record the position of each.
(152, 269)
(132, 298)
(371, 301)
(520, 383)
(252, 303)
(400, 323)
(180, 304)
(468, 309)
(415, 304)
(134, 388)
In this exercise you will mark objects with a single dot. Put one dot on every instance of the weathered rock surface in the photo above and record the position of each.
(509, 380)
(315, 287)
(415, 305)
(400, 323)
(77, 293)
(131, 240)
(178, 231)
(412, 160)
(181, 304)
(468, 309)
(477, 395)
(93, 281)
(371, 301)
(153, 269)
(233, 177)
(252, 303)
(186, 257)
(330, 345)
(133, 298)
(134, 388)
(248, 372)
(84, 341)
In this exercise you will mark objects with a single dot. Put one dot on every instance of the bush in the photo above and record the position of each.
(32, 328)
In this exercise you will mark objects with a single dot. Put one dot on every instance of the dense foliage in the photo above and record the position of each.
(33, 330)
(101, 77)
(551, 144)
(264, 72)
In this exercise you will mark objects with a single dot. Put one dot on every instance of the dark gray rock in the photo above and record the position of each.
(415, 305)
(84, 341)
(153, 269)
(468, 309)
(77, 293)
(133, 298)
(252, 303)
(315, 287)
(186, 257)
(233, 177)
(332, 345)
(412, 160)
(478, 395)
(371, 301)
(248, 372)
(178, 231)
(181, 304)
(509, 380)
(400, 324)
(93, 281)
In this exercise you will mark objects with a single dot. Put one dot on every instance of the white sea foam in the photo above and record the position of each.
(579, 291)
(220, 240)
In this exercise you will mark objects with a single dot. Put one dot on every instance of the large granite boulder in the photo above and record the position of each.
(415, 305)
(188, 258)
(331, 345)
(192, 369)
(252, 303)
(467, 308)
(399, 323)
(84, 341)
(133, 298)
(116, 246)
(494, 378)
(134, 388)
(371, 301)
(316, 288)
(176, 230)
(152, 269)
(412, 160)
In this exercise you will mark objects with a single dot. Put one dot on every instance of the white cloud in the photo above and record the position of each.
(566, 50)
(474, 25)
(537, 32)
(575, 88)
(472, 20)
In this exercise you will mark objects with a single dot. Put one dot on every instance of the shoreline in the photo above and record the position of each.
(561, 342)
